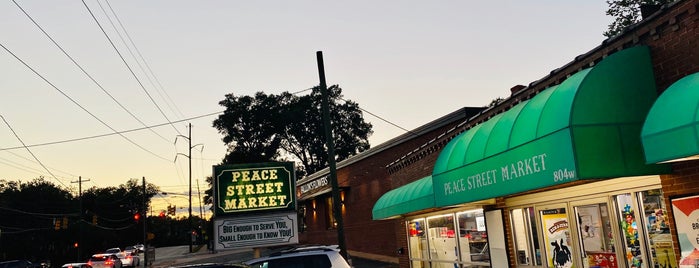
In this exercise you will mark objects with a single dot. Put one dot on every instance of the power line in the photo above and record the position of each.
(78, 104)
(83, 70)
(129, 67)
(30, 151)
(128, 36)
(109, 134)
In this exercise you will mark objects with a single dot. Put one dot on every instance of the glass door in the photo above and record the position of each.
(556, 236)
(595, 233)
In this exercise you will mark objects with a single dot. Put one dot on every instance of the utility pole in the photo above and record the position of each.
(331, 158)
(145, 235)
(80, 223)
(189, 155)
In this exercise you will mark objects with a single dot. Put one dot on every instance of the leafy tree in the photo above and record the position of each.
(281, 127)
(627, 12)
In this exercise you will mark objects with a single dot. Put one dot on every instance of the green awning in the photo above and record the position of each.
(414, 196)
(670, 130)
(587, 127)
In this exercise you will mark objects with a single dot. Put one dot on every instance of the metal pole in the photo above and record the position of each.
(331, 158)
(145, 236)
(190, 188)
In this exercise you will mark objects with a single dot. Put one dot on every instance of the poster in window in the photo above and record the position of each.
(686, 211)
(557, 236)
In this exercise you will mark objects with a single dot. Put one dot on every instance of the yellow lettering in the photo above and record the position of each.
(252, 202)
(262, 201)
(269, 187)
(230, 203)
(236, 175)
(260, 188)
(279, 186)
(230, 190)
(256, 175)
(265, 176)
(273, 174)
(240, 189)
(246, 175)
(249, 189)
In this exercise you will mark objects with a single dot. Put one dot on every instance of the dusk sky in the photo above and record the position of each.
(408, 62)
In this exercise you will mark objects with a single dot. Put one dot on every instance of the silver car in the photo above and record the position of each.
(106, 260)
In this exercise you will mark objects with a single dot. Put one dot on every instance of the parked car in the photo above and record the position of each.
(302, 257)
(76, 265)
(106, 260)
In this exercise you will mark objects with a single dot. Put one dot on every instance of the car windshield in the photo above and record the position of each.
(113, 250)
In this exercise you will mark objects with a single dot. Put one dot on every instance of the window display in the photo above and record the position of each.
(449, 240)
(662, 252)
(595, 232)
(525, 236)
(629, 230)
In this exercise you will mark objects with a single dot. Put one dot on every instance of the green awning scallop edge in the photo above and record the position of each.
(586, 127)
(671, 127)
(414, 196)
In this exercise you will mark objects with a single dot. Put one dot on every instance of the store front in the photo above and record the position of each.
(578, 142)
(612, 223)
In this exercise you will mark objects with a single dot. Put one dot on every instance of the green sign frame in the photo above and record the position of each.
(254, 187)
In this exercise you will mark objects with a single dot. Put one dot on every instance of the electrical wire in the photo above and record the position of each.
(30, 151)
(78, 104)
(108, 134)
(129, 67)
(143, 59)
(83, 70)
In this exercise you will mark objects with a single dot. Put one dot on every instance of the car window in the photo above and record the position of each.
(309, 261)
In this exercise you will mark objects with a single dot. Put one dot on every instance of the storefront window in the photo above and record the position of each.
(595, 232)
(525, 236)
(557, 237)
(659, 239)
(442, 239)
(417, 243)
(629, 230)
(329, 215)
(473, 238)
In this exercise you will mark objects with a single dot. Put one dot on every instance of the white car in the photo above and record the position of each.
(302, 257)
(128, 258)
(107, 260)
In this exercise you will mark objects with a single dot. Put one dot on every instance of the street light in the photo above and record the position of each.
(189, 139)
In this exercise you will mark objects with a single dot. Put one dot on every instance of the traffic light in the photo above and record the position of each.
(136, 217)
(56, 224)
(162, 214)
(94, 220)
(171, 210)
(75, 245)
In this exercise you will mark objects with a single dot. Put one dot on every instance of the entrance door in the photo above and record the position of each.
(556, 236)
(594, 232)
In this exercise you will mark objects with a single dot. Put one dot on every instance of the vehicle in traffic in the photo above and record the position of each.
(302, 257)
(140, 247)
(129, 259)
(105, 260)
(76, 265)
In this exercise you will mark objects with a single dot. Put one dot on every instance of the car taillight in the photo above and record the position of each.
(89, 263)
(108, 262)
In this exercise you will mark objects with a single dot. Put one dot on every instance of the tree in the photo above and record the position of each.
(626, 13)
(287, 127)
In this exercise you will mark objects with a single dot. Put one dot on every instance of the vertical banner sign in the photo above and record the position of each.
(557, 237)
(254, 187)
(686, 211)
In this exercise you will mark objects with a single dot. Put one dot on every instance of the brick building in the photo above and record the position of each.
(592, 165)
